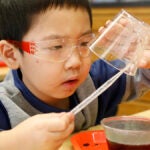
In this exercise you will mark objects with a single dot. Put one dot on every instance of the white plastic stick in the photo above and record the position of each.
(99, 91)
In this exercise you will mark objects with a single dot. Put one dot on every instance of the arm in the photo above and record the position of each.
(41, 132)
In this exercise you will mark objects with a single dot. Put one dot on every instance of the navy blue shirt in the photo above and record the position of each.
(100, 72)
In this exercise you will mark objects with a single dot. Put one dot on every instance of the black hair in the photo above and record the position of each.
(16, 15)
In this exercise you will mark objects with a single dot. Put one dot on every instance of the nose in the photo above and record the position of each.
(75, 60)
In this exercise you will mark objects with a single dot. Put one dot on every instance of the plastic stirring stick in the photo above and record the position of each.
(99, 91)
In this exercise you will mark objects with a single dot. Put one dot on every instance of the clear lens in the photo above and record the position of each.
(59, 50)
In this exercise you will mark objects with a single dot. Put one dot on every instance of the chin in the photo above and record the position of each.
(69, 93)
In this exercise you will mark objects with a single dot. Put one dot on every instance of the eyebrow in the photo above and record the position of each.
(55, 36)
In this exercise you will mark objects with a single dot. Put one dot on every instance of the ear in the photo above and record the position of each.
(8, 54)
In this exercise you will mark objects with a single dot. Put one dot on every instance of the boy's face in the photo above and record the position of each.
(52, 81)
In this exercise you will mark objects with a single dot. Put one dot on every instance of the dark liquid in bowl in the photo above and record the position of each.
(117, 146)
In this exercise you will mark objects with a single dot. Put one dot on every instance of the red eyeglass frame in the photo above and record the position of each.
(25, 46)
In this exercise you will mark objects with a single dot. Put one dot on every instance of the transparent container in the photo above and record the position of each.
(127, 133)
(123, 39)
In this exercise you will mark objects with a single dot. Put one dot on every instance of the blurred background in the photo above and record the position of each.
(116, 0)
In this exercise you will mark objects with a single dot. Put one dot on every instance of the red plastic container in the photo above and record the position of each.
(89, 140)
(2, 64)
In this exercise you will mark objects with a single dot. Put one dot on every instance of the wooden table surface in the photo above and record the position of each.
(68, 146)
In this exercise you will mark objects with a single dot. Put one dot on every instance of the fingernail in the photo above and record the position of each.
(101, 28)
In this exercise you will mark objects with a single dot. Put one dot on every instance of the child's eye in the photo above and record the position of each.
(84, 43)
(56, 47)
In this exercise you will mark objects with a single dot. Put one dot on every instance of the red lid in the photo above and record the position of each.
(89, 140)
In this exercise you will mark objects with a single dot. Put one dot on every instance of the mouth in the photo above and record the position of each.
(71, 81)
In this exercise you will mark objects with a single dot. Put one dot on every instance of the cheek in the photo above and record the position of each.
(48, 70)
(86, 68)
(40, 70)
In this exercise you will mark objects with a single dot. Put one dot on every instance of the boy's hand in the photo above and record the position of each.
(112, 35)
(43, 132)
(145, 60)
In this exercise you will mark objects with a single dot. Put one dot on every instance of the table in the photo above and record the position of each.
(143, 114)
(67, 144)
(3, 72)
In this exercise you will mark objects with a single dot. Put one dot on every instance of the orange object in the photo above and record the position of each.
(89, 140)
(2, 64)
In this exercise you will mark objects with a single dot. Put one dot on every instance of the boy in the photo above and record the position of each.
(44, 42)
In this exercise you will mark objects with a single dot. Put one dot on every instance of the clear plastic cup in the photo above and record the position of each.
(124, 39)
(127, 133)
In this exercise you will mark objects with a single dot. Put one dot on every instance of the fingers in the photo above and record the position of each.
(59, 122)
(61, 127)
(100, 30)
(112, 33)
(119, 38)
(145, 61)
(63, 134)
(48, 131)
